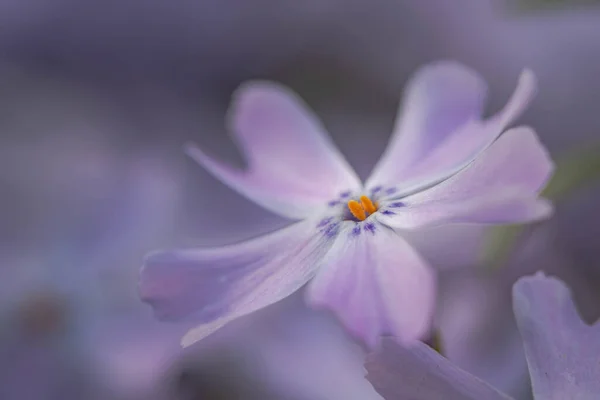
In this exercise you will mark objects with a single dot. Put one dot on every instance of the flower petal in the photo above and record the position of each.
(477, 326)
(500, 186)
(293, 166)
(562, 351)
(420, 373)
(439, 130)
(220, 284)
(376, 284)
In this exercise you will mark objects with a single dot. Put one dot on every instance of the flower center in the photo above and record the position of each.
(361, 210)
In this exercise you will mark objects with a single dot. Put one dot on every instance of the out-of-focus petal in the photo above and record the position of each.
(221, 284)
(439, 130)
(420, 373)
(476, 323)
(563, 352)
(500, 186)
(293, 166)
(376, 284)
(308, 354)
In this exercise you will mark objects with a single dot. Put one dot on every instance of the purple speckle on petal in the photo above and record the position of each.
(376, 189)
(397, 204)
(345, 194)
(333, 203)
(388, 212)
(390, 191)
(324, 222)
(356, 230)
(332, 230)
(369, 226)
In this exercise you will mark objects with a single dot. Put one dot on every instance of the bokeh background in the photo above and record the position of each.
(97, 99)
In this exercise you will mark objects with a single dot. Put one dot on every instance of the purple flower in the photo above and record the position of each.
(562, 354)
(562, 351)
(444, 164)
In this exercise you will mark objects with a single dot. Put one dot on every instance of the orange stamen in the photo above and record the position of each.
(357, 210)
(368, 204)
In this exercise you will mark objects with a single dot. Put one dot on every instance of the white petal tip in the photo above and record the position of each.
(537, 278)
(448, 72)
(253, 87)
(544, 210)
(528, 80)
(451, 66)
(539, 283)
(539, 275)
(186, 342)
(192, 150)
(190, 338)
(200, 332)
(527, 75)
(253, 96)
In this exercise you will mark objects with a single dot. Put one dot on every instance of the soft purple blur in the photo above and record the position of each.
(97, 102)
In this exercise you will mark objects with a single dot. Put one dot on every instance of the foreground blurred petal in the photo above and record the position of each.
(563, 352)
(220, 284)
(439, 130)
(477, 326)
(500, 186)
(376, 283)
(421, 373)
(293, 166)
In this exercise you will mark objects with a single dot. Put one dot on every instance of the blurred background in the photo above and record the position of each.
(97, 99)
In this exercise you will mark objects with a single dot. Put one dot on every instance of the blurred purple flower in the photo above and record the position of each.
(60, 298)
(421, 373)
(562, 354)
(562, 351)
(443, 165)
(474, 315)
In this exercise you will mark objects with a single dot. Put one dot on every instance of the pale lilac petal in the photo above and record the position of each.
(519, 101)
(508, 206)
(500, 186)
(440, 131)
(563, 352)
(438, 100)
(420, 373)
(217, 285)
(376, 283)
(293, 166)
